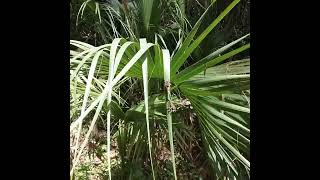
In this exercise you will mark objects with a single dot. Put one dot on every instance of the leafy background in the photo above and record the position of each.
(202, 121)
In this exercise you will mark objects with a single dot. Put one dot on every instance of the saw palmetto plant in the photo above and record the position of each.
(180, 110)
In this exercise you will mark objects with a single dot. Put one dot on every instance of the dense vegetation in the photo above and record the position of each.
(159, 89)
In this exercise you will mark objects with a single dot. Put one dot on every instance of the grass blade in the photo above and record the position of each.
(113, 52)
(143, 43)
(166, 71)
(120, 53)
(86, 94)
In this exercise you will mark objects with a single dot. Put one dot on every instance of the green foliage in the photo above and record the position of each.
(156, 108)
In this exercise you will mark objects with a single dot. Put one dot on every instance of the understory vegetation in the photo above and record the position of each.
(159, 89)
